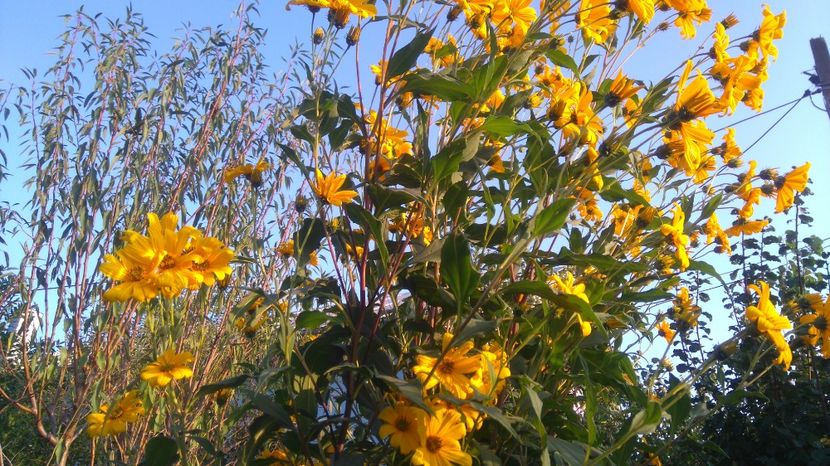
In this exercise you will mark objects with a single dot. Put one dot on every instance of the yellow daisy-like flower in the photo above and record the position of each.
(665, 331)
(769, 322)
(110, 421)
(328, 188)
(401, 424)
(788, 185)
(567, 285)
(168, 367)
(452, 372)
(286, 248)
(440, 442)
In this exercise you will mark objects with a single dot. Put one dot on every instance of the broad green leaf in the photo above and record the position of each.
(406, 57)
(557, 57)
(410, 389)
(552, 217)
(457, 268)
(475, 327)
(311, 319)
(160, 451)
(647, 419)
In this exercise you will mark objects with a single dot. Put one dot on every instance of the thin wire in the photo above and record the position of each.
(806, 93)
(764, 112)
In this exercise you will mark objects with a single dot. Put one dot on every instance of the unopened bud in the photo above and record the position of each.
(353, 37)
(318, 36)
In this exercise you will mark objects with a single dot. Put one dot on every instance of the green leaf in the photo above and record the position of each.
(708, 269)
(443, 87)
(410, 389)
(679, 410)
(646, 420)
(558, 57)
(457, 267)
(536, 288)
(273, 410)
(447, 161)
(475, 327)
(308, 238)
(160, 451)
(502, 126)
(311, 319)
(552, 217)
(232, 382)
(406, 57)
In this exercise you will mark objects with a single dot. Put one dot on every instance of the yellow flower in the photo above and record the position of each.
(788, 185)
(252, 172)
(490, 377)
(276, 456)
(595, 21)
(567, 286)
(401, 424)
(684, 312)
(165, 261)
(286, 248)
(768, 321)
(695, 99)
(643, 9)
(168, 367)
(746, 228)
(819, 326)
(113, 421)
(312, 259)
(328, 189)
(621, 89)
(772, 28)
(678, 238)
(440, 442)
(665, 331)
(452, 372)
(714, 233)
(689, 12)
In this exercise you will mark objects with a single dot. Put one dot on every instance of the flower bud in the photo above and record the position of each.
(353, 37)
(318, 36)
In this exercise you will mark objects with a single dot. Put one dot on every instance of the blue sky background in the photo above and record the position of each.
(29, 30)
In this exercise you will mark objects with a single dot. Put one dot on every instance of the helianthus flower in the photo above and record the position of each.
(110, 421)
(684, 312)
(819, 326)
(742, 227)
(328, 188)
(286, 248)
(694, 99)
(440, 442)
(788, 185)
(769, 322)
(665, 331)
(595, 20)
(567, 285)
(401, 424)
(674, 232)
(168, 367)
(642, 9)
(452, 372)
(689, 12)
(276, 456)
(490, 377)
(621, 89)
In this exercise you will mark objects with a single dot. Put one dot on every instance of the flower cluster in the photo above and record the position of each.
(165, 261)
(435, 437)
